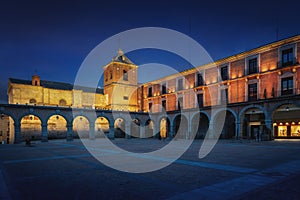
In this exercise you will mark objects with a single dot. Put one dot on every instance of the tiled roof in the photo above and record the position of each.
(58, 85)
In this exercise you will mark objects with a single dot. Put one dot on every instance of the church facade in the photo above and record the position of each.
(260, 89)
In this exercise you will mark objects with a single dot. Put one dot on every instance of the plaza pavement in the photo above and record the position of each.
(235, 169)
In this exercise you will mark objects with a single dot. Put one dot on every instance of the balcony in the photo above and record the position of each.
(289, 63)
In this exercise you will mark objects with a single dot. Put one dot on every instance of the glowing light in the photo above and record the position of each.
(293, 123)
(274, 124)
(280, 124)
(286, 123)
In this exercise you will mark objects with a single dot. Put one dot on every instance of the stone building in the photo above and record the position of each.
(260, 88)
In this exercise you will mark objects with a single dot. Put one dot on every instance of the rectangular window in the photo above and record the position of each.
(200, 81)
(224, 73)
(224, 95)
(200, 100)
(164, 104)
(180, 84)
(252, 66)
(252, 92)
(149, 91)
(180, 103)
(287, 57)
(287, 86)
(125, 97)
(150, 106)
(164, 89)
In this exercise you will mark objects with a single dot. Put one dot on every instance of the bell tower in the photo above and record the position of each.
(120, 83)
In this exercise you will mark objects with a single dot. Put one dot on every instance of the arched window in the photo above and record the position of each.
(32, 101)
(62, 102)
(125, 75)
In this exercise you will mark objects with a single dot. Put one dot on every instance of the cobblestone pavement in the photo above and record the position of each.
(235, 169)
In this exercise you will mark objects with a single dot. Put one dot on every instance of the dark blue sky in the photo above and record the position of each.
(54, 37)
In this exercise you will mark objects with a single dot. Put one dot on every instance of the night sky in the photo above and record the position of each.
(53, 38)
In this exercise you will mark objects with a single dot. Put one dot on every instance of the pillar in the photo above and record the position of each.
(142, 132)
(237, 130)
(127, 131)
(44, 133)
(92, 131)
(69, 132)
(111, 134)
(269, 127)
(17, 133)
(171, 132)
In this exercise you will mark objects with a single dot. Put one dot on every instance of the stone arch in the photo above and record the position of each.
(229, 126)
(57, 127)
(119, 126)
(81, 126)
(180, 123)
(200, 124)
(102, 125)
(31, 127)
(252, 120)
(286, 121)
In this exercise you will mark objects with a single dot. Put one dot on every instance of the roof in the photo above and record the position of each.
(58, 85)
(120, 57)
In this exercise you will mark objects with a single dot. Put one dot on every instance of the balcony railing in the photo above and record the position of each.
(292, 62)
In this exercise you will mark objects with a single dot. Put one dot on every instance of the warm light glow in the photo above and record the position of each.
(286, 123)
(293, 123)
(280, 123)
(191, 86)
(294, 70)
(275, 124)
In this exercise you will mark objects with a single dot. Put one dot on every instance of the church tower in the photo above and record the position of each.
(120, 83)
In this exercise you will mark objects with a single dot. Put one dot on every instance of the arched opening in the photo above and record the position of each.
(57, 127)
(164, 128)
(7, 129)
(149, 128)
(200, 124)
(101, 127)
(228, 130)
(181, 127)
(81, 127)
(286, 121)
(32, 101)
(31, 128)
(62, 102)
(119, 128)
(135, 128)
(253, 123)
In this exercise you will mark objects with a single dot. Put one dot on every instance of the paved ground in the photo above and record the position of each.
(233, 170)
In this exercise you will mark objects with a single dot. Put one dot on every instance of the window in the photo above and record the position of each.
(224, 95)
(125, 75)
(62, 102)
(164, 104)
(199, 80)
(200, 100)
(287, 57)
(252, 66)
(252, 92)
(111, 75)
(149, 91)
(35, 83)
(180, 103)
(224, 73)
(125, 97)
(180, 84)
(163, 89)
(287, 86)
(150, 106)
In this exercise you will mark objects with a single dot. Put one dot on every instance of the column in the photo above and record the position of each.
(171, 132)
(69, 132)
(17, 133)
(269, 128)
(237, 130)
(92, 131)
(127, 131)
(111, 134)
(142, 132)
(44, 133)
(154, 131)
